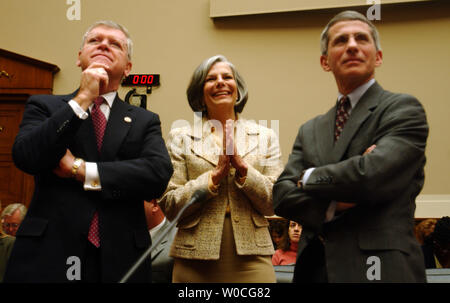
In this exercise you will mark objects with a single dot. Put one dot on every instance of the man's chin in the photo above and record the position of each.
(102, 60)
(357, 73)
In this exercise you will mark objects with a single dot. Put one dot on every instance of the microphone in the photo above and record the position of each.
(198, 196)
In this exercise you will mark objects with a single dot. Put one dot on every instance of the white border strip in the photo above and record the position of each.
(228, 8)
(428, 206)
(432, 206)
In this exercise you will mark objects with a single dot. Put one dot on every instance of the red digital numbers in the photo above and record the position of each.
(143, 79)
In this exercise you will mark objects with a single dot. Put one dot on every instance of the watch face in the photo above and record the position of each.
(141, 80)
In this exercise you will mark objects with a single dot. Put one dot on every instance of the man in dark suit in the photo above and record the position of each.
(158, 225)
(354, 172)
(95, 160)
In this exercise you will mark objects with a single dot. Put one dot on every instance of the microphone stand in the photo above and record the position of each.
(198, 195)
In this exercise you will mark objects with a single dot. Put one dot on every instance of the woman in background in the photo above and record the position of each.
(6, 244)
(287, 252)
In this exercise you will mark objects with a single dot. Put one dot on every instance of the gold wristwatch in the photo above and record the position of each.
(76, 165)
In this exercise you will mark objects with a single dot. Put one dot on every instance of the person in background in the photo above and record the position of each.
(278, 228)
(441, 242)
(226, 237)
(12, 216)
(6, 244)
(286, 254)
(354, 173)
(95, 160)
(157, 223)
(423, 232)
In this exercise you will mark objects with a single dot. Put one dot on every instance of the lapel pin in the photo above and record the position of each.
(127, 119)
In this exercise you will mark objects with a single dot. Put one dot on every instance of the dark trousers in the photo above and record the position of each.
(91, 269)
(311, 264)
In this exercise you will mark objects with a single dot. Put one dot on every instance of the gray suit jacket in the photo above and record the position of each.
(383, 184)
(162, 263)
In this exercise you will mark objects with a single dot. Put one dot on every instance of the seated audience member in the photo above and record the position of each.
(423, 232)
(441, 242)
(278, 227)
(12, 216)
(162, 263)
(6, 244)
(287, 253)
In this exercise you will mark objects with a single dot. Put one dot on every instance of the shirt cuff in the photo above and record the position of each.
(92, 178)
(78, 110)
(307, 174)
(330, 211)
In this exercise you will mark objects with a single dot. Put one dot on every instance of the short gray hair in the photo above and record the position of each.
(11, 209)
(115, 25)
(347, 16)
(195, 88)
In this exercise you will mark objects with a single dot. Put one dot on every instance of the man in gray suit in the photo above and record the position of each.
(354, 172)
(157, 223)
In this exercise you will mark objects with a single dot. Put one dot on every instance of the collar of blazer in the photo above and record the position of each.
(163, 243)
(205, 145)
(324, 130)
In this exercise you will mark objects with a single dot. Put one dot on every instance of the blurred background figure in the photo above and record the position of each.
(278, 227)
(424, 229)
(162, 263)
(423, 232)
(434, 238)
(12, 216)
(286, 254)
(441, 242)
(6, 244)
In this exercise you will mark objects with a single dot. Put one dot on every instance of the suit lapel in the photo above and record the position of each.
(120, 120)
(204, 144)
(362, 111)
(247, 137)
(161, 245)
(87, 140)
(84, 144)
(324, 134)
(246, 134)
(206, 148)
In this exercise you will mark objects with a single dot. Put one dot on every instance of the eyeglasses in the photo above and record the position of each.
(10, 225)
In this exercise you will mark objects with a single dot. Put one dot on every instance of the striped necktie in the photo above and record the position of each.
(342, 115)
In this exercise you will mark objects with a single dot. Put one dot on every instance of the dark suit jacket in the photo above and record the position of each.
(162, 263)
(133, 165)
(383, 184)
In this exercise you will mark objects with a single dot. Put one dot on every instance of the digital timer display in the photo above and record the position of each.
(141, 80)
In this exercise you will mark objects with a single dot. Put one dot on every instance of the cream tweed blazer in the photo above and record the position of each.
(195, 153)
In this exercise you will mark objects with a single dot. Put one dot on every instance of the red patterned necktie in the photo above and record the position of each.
(342, 115)
(99, 121)
(94, 235)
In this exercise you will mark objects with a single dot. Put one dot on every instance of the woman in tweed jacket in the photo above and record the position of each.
(226, 237)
